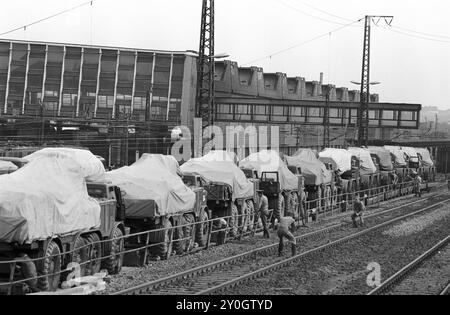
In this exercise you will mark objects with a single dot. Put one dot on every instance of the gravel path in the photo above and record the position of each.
(134, 276)
(343, 270)
(418, 224)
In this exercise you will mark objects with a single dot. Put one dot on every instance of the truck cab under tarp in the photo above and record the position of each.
(222, 173)
(314, 171)
(270, 162)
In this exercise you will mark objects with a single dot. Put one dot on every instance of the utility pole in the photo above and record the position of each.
(205, 107)
(363, 113)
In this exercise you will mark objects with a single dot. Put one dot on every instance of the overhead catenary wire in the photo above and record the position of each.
(302, 43)
(24, 27)
(393, 27)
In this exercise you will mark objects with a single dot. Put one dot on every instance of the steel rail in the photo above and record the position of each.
(408, 269)
(446, 290)
(146, 288)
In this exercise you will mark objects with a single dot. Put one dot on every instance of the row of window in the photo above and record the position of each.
(306, 114)
(29, 65)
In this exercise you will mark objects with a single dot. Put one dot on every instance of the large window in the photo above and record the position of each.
(17, 78)
(261, 113)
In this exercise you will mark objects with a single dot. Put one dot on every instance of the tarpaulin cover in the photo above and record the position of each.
(366, 165)
(399, 156)
(225, 172)
(270, 161)
(426, 157)
(410, 152)
(91, 166)
(7, 167)
(385, 158)
(47, 197)
(152, 180)
(221, 156)
(312, 169)
(342, 158)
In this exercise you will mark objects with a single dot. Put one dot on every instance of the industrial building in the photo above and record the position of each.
(117, 101)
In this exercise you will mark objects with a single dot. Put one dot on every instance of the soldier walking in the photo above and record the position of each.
(285, 226)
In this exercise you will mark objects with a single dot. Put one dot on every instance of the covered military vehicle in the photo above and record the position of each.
(229, 193)
(279, 184)
(155, 198)
(46, 213)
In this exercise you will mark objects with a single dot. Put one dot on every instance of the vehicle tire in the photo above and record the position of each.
(114, 249)
(163, 239)
(202, 229)
(178, 236)
(183, 233)
(80, 254)
(234, 221)
(95, 254)
(251, 215)
(51, 266)
(244, 219)
(189, 232)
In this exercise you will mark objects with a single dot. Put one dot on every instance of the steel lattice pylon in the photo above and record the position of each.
(205, 107)
(363, 113)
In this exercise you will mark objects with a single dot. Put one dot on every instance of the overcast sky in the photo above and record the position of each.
(411, 69)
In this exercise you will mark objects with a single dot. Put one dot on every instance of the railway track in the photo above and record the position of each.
(415, 277)
(232, 271)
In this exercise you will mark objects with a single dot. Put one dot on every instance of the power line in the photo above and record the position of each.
(394, 27)
(302, 43)
(324, 11)
(24, 27)
(308, 14)
(416, 36)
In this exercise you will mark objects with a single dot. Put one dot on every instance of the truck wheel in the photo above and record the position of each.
(95, 256)
(189, 232)
(114, 253)
(51, 266)
(184, 233)
(234, 221)
(80, 254)
(251, 215)
(163, 240)
(178, 234)
(202, 230)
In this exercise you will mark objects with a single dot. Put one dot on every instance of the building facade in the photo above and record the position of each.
(122, 100)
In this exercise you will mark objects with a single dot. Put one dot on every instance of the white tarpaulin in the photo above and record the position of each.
(426, 157)
(45, 198)
(384, 156)
(366, 165)
(312, 169)
(91, 166)
(152, 180)
(342, 158)
(221, 172)
(221, 156)
(7, 167)
(398, 155)
(410, 152)
(270, 161)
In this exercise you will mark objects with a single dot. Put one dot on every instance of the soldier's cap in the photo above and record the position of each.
(260, 191)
